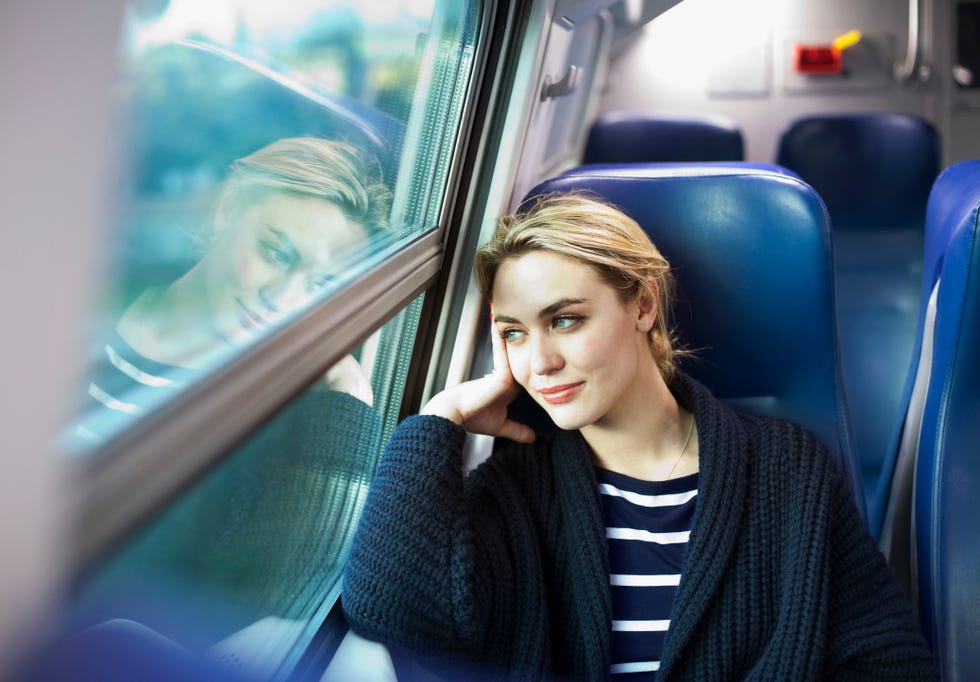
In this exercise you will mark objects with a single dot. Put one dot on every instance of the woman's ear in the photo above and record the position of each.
(646, 307)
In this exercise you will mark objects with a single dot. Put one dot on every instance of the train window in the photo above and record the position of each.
(284, 179)
(243, 568)
(268, 160)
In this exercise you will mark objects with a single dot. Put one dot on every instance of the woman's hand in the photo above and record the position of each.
(480, 405)
(347, 376)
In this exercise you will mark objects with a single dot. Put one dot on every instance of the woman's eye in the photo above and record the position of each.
(565, 321)
(510, 335)
(323, 282)
(275, 255)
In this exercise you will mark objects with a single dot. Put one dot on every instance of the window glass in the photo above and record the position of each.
(270, 155)
(243, 568)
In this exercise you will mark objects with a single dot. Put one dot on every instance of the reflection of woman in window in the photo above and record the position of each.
(660, 530)
(259, 538)
(288, 220)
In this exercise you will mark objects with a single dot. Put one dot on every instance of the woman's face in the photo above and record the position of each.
(579, 351)
(273, 257)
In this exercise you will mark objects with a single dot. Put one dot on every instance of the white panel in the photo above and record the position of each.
(745, 71)
(57, 64)
(704, 57)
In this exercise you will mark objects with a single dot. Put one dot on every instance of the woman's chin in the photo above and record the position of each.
(567, 419)
(233, 331)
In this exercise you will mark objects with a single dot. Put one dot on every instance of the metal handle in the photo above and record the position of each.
(565, 86)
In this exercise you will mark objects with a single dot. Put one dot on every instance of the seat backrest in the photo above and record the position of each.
(750, 247)
(631, 137)
(943, 454)
(873, 170)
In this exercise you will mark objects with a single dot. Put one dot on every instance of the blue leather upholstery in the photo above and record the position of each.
(681, 167)
(626, 137)
(751, 251)
(946, 521)
(874, 172)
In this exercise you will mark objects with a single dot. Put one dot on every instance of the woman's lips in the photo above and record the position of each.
(553, 395)
(249, 318)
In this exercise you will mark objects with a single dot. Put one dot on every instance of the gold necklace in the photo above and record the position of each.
(690, 432)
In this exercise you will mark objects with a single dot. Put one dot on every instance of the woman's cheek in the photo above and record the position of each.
(584, 352)
(249, 271)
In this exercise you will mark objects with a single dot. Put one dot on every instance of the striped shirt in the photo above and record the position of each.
(647, 528)
(123, 386)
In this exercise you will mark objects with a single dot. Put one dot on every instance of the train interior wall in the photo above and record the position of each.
(735, 60)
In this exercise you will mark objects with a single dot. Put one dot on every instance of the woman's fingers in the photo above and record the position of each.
(488, 393)
(501, 364)
(480, 405)
(474, 401)
(347, 376)
(521, 433)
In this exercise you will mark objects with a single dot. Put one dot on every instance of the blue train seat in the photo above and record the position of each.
(931, 526)
(874, 173)
(628, 137)
(751, 250)
(681, 167)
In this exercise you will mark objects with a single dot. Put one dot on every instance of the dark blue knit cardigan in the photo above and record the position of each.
(506, 570)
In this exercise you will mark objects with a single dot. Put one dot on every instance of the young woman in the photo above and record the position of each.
(287, 221)
(657, 532)
(259, 529)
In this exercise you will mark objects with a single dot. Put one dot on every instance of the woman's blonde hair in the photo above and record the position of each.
(597, 234)
(308, 166)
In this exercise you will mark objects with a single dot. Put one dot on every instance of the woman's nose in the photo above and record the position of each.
(545, 357)
(286, 293)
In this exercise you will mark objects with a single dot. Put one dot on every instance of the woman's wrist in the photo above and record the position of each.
(440, 407)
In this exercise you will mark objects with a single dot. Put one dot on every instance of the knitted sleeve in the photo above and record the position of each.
(262, 534)
(872, 633)
(407, 580)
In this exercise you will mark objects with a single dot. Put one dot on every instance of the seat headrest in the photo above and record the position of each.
(872, 170)
(750, 248)
(680, 168)
(627, 137)
(954, 197)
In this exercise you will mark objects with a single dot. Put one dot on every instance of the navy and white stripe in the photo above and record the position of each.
(123, 387)
(648, 524)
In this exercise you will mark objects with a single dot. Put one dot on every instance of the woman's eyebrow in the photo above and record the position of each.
(284, 242)
(560, 304)
(547, 311)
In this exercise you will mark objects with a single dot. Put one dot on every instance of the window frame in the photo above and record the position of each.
(454, 350)
(141, 470)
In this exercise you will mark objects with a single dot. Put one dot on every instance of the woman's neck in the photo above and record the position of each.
(649, 437)
(167, 325)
